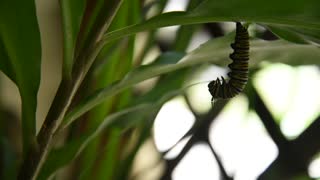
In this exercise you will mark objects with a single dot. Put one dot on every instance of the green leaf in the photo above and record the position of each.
(113, 63)
(133, 77)
(169, 84)
(72, 13)
(185, 33)
(109, 157)
(297, 35)
(283, 52)
(303, 14)
(125, 166)
(97, 20)
(58, 158)
(166, 83)
(8, 160)
(168, 87)
(20, 57)
(215, 51)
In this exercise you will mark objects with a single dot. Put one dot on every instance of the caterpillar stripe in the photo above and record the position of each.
(238, 76)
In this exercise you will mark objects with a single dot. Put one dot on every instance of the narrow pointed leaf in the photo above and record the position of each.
(301, 14)
(72, 13)
(20, 57)
(62, 156)
(297, 35)
(215, 51)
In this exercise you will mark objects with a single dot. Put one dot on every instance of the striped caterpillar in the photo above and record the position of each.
(220, 88)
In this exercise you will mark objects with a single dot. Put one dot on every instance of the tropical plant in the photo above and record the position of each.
(98, 119)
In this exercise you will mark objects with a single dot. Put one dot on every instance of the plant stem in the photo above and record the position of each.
(36, 156)
(66, 91)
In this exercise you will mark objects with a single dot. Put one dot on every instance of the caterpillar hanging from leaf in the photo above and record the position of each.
(220, 88)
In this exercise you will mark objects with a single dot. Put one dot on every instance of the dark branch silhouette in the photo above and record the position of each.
(200, 133)
(293, 159)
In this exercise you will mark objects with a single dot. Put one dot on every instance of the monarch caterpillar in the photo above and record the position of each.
(221, 89)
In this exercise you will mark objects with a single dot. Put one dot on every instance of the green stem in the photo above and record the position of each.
(67, 89)
(37, 154)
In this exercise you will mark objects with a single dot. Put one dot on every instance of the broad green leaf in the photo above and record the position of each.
(113, 65)
(58, 158)
(62, 156)
(301, 14)
(167, 87)
(167, 83)
(104, 74)
(128, 81)
(215, 51)
(171, 82)
(72, 13)
(20, 57)
(284, 52)
(297, 35)
(129, 13)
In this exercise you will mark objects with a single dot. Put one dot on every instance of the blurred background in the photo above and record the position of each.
(270, 129)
